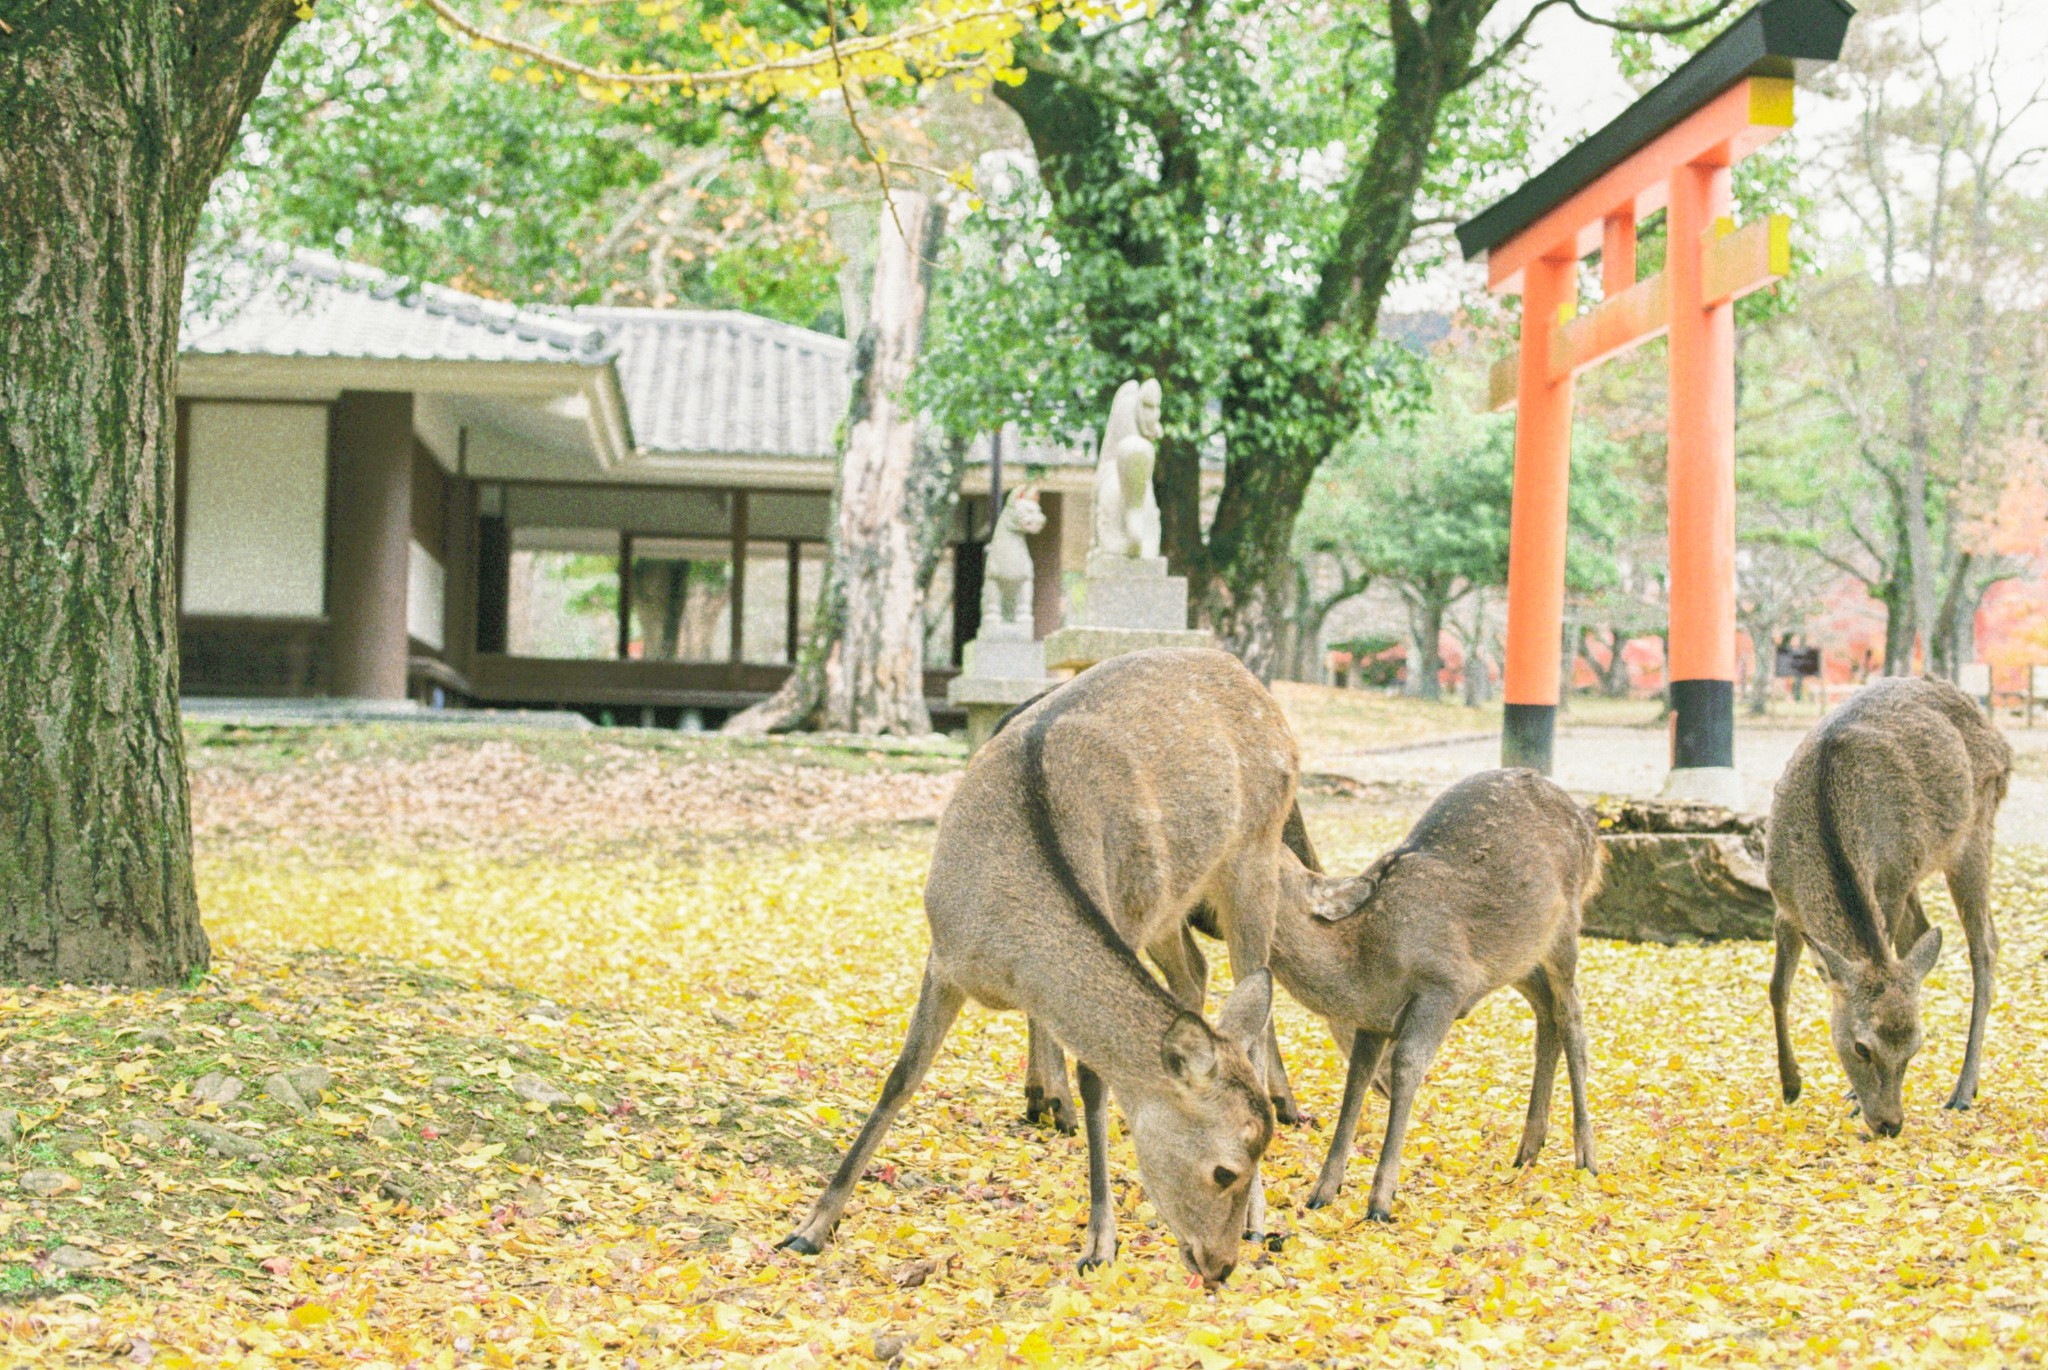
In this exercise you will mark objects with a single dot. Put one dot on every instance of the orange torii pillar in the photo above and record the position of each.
(1671, 150)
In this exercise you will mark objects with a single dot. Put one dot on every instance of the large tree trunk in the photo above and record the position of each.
(1426, 609)
(863, 668)
(117, 119)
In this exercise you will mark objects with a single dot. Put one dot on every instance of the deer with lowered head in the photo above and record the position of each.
(1902, 781)
(1086, 829)
(1484, 892)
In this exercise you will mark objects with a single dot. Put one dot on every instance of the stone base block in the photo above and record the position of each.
(1015, 659)
(1103, 566)
(1078, 648)
(1718, 785)
(1680, 873)
(1132, 602)
(1002, 692)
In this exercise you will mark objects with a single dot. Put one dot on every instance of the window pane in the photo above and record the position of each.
(682, 600)
(765, 641)
(563, 596)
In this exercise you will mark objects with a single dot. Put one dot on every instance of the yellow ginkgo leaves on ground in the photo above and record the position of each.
(599, 1027)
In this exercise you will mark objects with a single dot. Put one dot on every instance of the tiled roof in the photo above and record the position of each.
(726, 382)
(274, 303)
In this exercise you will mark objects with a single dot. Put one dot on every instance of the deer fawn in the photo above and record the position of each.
(1903, 780)
(1485, 891)
(1089, 827)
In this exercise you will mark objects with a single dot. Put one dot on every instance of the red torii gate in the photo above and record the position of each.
(1671, 150)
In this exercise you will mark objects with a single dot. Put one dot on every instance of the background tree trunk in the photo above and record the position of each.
(863, 669)
(118, 118)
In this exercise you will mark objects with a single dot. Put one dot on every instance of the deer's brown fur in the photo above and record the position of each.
(1902, 781)
(1090, 826)
(1484, 892)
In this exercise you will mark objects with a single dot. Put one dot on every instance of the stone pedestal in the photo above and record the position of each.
(1680, 872)
(1126, 604)
(1000, 670)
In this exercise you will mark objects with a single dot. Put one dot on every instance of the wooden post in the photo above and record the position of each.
(1536, 530)
(737, 644)
(1701, 482)
(371, 451)
(792, 625)
(625, 595)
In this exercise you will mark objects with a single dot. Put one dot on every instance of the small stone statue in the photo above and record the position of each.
(1126, 510)
(1006, 576)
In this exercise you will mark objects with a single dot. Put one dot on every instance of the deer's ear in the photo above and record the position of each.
(1188, 1051)
(1837, 966)
(1247, 1010)
(1332, 901)
(1921, 958)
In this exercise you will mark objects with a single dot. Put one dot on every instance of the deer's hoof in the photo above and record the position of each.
(1960, 1102)
(1375, 1214)
(1276, 1241)
(1791, 1091)
(1316, 1200)
(1088, 1263)
(799, 1243)
(1286, 1112)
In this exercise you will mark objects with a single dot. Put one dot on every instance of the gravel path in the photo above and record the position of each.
(1633, 761)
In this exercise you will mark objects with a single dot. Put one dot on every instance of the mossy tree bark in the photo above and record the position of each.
(118, 117)
(862, 670)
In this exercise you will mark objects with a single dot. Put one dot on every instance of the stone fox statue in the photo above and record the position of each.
(1902, 781)
(1081, 833)
(1483, 893)
(1126, 510)
(1006, 583)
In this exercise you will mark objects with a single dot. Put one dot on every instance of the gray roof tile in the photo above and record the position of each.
(269, 302)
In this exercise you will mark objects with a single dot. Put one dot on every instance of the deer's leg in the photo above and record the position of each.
(1969, 883)
(1424, 1025)
(1099, 1246)
(938, 1004)
(1251, 901)
(1366, 1050)
(1783, 971)
(1535, 987)
(1286, 1109)
(1912, 922)
(1047, 1097)
(1563, 974)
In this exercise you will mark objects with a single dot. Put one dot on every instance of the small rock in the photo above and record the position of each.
(148, 1130)
(217, 1087)
(533, 1089)
(148, 1037)
(311, 1081)
(10, 1127)
(344, 1222)
(888, 1346)
(445, 1083)
(523, 1154)
(70, 1258)
(45, 1184)
(74, 1258)
(225, 1143)
(385, 1128)
(279, 1087)
(390, 1188)
(548, 1011)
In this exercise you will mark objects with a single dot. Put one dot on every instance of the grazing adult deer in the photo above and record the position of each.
(1484, 891)
(1089, 827)
(1047, 1095)
(1903, 780)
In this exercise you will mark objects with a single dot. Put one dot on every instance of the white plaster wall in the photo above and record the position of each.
(426, 597)
(256, 510)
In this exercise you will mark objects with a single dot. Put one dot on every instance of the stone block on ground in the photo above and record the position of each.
(1107, 566)
(1006, 658)
(1075, 649)
(1680, 873)
(1131, 602)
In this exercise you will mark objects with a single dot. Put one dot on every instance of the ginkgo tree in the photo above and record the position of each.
(118, 119)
